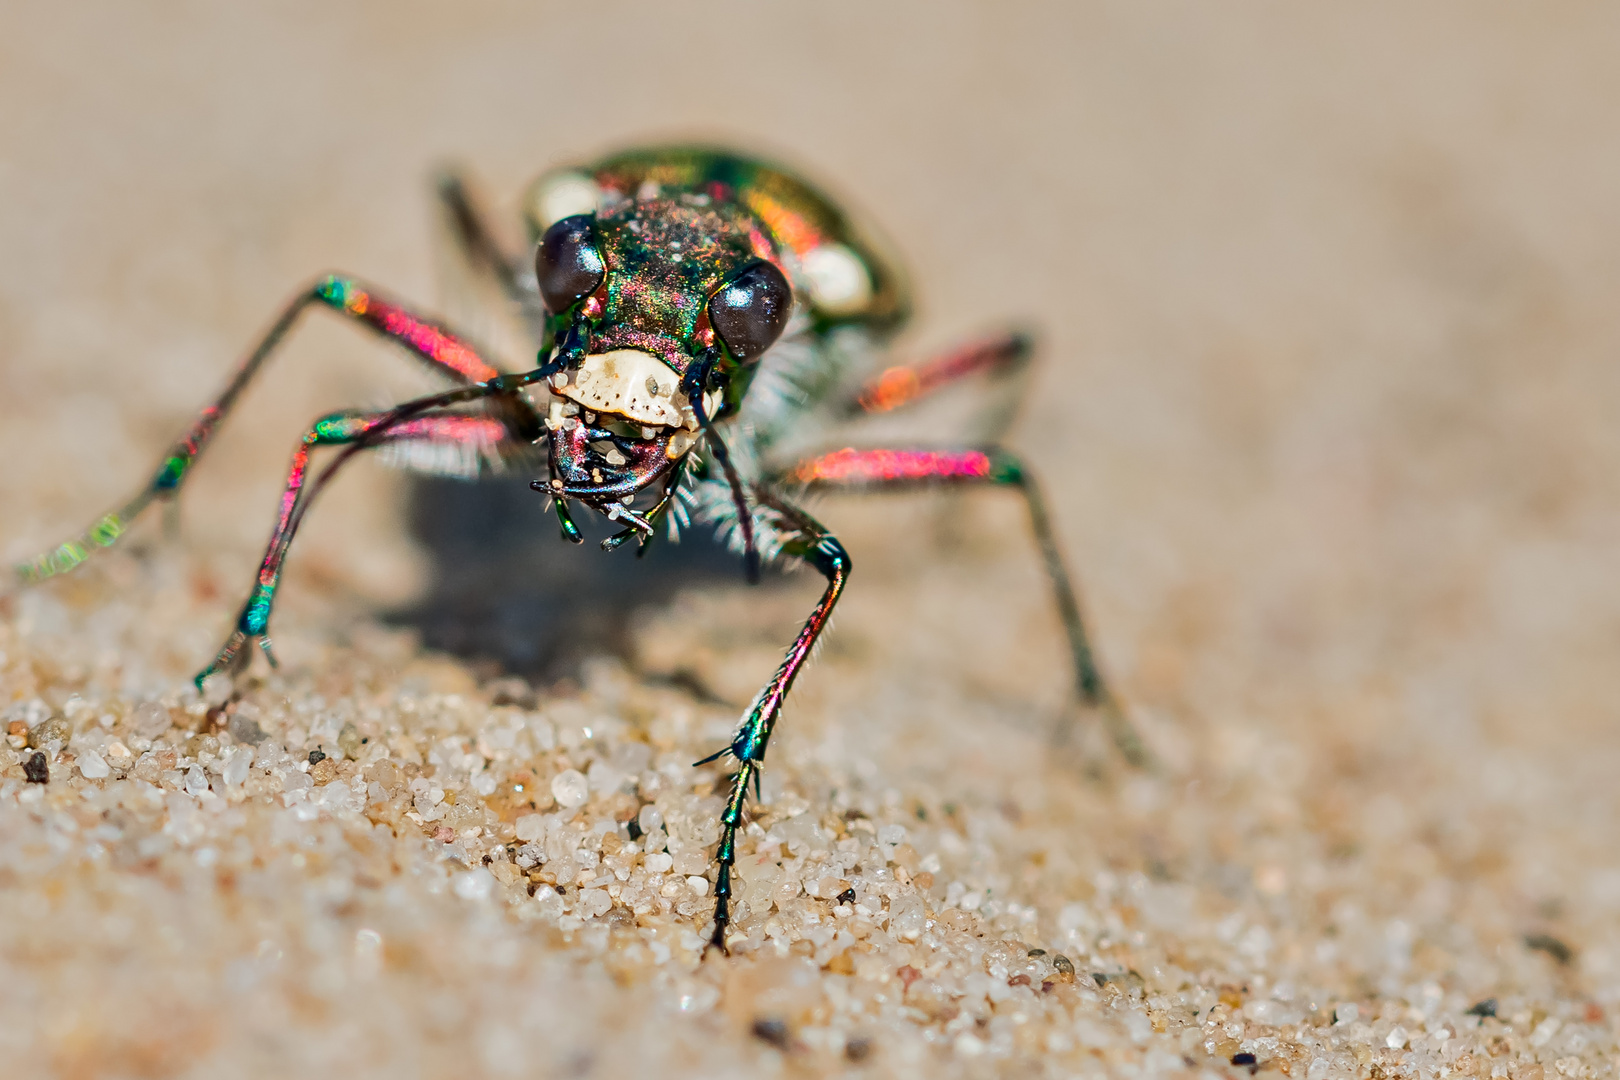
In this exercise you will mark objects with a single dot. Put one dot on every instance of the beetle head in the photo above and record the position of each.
(653, 303)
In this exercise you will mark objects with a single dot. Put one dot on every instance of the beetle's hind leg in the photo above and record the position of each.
(804, 538)
(865, 470)
(1003, 359)
(478, 266)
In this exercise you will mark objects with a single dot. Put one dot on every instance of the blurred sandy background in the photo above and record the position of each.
(1327, 406)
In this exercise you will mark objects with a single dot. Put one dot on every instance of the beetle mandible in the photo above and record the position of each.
(710, 328)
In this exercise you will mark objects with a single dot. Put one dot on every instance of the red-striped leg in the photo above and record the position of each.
(441, 350)
(806, 539)
(1003, 356)
(420, 421)
(881, 470)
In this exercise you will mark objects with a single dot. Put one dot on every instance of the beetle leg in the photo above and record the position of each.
(478, 263)
(891, 469)
(1004, 357)
(441, 350)
(808, 540)
(419, 419)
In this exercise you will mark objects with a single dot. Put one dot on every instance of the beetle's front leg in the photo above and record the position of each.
(354, 431)
(808, 541)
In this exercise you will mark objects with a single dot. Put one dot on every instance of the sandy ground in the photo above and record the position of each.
(1327, 411)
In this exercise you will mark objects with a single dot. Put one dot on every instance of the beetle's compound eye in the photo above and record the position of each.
(750, 310)
(568, 264)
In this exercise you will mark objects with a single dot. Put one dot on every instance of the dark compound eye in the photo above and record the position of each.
(750, 310)
(568, 264)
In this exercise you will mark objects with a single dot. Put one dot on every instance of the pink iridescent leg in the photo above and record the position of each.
(805, 539)
(869, 470)
(441, 350)
(413, 422)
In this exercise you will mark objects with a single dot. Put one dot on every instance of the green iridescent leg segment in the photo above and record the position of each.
(807, 540)
(335, 429)
(105, 532)
(441, 350)
(868, 470)
(565, 519)
(423, 418)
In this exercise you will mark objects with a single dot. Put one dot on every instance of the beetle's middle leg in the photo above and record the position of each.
(864, 470)
(806, 539)
(441, 350)
(423, 420)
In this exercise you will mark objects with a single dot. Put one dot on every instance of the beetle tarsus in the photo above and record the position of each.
(230, 660)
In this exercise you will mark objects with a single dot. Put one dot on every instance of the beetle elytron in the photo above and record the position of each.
(709, 328)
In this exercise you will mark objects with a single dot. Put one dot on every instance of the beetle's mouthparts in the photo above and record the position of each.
(618, 422)
(603, 459)
(630, 384)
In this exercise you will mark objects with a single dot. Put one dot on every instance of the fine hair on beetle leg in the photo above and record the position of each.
(696, 386)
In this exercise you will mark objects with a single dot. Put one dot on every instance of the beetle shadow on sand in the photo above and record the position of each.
(511, 597)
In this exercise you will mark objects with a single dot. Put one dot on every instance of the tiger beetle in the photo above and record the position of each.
(711, 333)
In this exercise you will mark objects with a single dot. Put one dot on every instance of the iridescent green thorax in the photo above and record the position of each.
(665, 257)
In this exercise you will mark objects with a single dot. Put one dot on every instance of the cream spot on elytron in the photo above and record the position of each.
(563, 195)
(839, 283)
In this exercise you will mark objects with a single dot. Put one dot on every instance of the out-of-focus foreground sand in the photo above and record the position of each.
(1328, 411)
